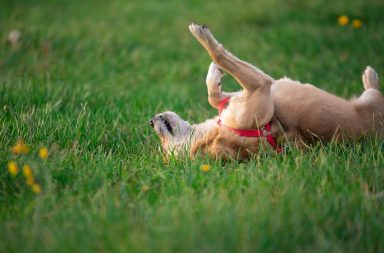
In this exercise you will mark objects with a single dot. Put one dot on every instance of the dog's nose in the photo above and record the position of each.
(151, 122)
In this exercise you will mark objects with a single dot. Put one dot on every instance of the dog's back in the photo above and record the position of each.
(313, 113)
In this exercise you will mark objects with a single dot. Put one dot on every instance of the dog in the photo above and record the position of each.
(267, 113)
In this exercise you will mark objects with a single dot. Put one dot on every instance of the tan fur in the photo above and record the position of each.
(308, 113)
(226, 145)
(299, 113)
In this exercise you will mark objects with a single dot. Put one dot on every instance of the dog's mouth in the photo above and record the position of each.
(164, 121)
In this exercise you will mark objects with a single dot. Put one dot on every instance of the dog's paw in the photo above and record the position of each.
(214, 76)
(370, 78)
(201, 32)
(197, 30)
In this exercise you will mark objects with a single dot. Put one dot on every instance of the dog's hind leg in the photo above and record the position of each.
(248, 76)
(370, 79)
(371, 98)
(370, 104)
(214, 87)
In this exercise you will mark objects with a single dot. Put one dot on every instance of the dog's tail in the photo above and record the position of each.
(370, 79)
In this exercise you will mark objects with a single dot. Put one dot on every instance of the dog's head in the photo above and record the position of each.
(174, 132)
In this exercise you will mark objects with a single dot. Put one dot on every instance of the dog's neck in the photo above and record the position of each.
(201, 129)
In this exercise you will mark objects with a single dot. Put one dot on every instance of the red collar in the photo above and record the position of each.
(265, 131)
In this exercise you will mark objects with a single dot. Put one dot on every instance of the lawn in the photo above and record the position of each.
(85, 77)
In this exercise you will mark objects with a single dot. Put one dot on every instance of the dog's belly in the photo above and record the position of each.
(313, 113)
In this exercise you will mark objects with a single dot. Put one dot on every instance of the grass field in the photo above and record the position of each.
(85, 78)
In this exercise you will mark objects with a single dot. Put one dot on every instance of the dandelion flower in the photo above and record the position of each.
(20, 148)
(30, 181)
(12, 168)
(27, 171)
(205, 168)
(343, 20)
(43, 153)
(145, 188)
(36, 188)
(356, 23)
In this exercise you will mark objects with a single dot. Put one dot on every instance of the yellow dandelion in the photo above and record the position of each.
(12, 168)
(343, 20)
(20, 148)
(30, 181)
(43, 153)
(205, 168)
(145, 188)
(27, 171)
(356, 23)
(36, 188)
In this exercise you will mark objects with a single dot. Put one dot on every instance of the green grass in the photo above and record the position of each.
(89, 74)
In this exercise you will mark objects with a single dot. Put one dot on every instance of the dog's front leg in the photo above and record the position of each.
(214, 87)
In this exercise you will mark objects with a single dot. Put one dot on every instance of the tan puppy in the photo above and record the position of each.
(297, 113)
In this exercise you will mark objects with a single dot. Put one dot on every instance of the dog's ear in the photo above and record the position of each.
(221, 144)
(203, 145)
(228, 146)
